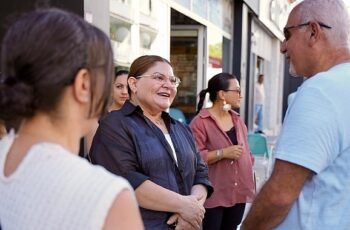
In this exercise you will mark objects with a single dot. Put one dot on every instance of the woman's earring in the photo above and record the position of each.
(226, 107)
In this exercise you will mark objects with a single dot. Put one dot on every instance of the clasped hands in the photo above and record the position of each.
(191, 215)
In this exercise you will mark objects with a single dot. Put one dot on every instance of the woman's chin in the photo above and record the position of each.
(164, 106)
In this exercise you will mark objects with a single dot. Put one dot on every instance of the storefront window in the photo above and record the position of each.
(215, 46)
(146, 6)
(184, 59)
(185, 3)
(200, 7)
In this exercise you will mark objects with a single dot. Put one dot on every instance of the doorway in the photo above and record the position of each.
(187, 55)
(259, 68)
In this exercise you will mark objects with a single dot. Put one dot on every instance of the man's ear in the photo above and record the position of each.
(132, 84)
(82, 86)
(315, 32)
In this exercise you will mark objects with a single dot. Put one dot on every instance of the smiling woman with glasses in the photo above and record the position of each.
(221, 137)
(155, 152)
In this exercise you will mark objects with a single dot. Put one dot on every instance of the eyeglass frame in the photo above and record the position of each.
(175, 84)
(234, 90)
(287, 34)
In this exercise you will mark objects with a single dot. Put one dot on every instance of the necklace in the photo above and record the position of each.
(158, 121)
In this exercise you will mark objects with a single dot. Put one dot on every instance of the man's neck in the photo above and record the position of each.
(330, 59)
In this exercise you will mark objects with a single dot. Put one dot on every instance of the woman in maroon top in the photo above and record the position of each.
(221, 137)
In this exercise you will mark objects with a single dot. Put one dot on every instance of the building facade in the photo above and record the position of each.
(201, 38)
(205, 37)
(258, 27)
(195, 35)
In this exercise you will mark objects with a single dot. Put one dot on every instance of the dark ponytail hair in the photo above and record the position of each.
(41, 54)
(201, 99)
(216, 83)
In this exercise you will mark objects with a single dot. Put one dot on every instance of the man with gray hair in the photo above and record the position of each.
(310, 185)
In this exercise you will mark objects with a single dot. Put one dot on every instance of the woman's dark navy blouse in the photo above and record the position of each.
(128, 144)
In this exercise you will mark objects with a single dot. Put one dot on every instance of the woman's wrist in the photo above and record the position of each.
(219, 154)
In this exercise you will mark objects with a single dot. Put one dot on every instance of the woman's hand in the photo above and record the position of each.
(233, 152)
(192, 211)
(180, 223)
(184, 225)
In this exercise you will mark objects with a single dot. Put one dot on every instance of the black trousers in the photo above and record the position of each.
(223, 218)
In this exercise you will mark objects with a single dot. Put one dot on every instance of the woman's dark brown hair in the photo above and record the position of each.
(41, 54)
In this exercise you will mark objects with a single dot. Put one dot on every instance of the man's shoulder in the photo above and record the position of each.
(332, 77)
(342, 69)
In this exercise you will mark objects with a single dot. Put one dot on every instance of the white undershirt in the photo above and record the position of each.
(168, 138)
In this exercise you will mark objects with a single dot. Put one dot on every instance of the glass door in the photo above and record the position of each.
(187, 54)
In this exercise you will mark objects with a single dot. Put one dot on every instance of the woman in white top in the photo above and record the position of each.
(57, 72)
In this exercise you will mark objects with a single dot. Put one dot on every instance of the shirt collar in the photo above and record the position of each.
(204, 113)
(129, 108)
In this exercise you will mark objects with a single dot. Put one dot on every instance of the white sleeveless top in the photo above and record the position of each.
(54, 189)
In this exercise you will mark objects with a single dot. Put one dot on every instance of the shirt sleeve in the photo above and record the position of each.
(241, 128)
(310, 132)
(201, 176)
(113, 148)
(200, 136)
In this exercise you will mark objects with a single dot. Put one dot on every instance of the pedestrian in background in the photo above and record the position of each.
(119, 96)
(120, 90)
(221, 136)
(309, 186)
(259, 101)
(154, 152)
(57, 72)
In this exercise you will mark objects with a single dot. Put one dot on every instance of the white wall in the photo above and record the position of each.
(156, 23)
(97, 14)
(273, 14)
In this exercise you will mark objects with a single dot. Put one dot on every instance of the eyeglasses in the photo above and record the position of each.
(287, 34)
(162, 79)
(234, 90)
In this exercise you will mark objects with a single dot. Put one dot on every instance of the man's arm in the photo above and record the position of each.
(276, 197)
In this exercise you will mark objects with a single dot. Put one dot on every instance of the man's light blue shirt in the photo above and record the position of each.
(316, 135)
